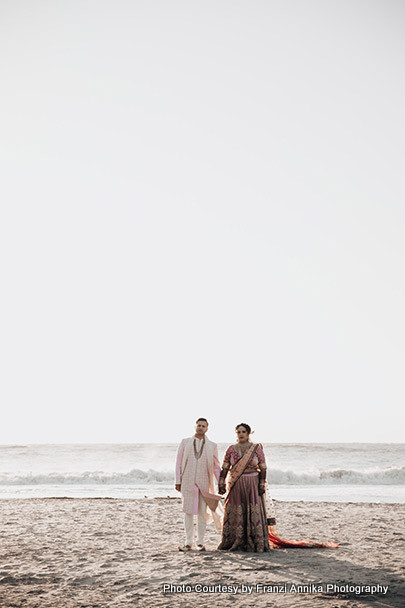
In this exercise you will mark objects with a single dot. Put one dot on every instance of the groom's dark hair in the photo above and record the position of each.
(203, 419)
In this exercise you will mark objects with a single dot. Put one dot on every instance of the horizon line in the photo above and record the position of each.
(15, 444)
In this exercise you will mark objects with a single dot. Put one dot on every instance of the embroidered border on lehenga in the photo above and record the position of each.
(245, 525)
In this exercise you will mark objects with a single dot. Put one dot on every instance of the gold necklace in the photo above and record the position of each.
(242, 451)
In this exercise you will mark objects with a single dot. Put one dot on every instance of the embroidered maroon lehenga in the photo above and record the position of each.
(244, 526)
(249, 519)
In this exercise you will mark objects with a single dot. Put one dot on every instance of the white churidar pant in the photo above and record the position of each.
(201, 522)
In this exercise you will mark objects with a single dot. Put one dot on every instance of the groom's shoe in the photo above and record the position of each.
(201, 548)
(185, 548)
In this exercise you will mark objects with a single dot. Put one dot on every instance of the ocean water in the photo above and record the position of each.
(349, 472)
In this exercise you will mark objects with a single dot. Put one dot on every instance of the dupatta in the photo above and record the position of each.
(237, 470)
(277, 542)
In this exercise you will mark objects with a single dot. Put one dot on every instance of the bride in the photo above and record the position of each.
(249, 521)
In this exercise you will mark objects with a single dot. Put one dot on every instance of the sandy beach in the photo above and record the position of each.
(104, 553)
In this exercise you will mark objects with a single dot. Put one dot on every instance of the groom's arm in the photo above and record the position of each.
(179, 460)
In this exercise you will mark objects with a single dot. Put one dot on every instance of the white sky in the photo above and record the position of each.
(202, 215)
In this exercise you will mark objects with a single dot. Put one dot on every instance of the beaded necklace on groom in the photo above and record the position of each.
(200, 431)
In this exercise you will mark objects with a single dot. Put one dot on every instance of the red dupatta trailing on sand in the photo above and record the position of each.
(277, 542)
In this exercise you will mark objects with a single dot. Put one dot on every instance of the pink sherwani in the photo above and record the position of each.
(195, 474)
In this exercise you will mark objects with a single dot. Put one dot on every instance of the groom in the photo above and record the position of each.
(197, 463)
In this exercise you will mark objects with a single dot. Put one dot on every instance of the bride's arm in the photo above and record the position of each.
(264, 488)
(262, 470)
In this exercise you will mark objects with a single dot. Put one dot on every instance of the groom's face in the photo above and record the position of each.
(201, 427)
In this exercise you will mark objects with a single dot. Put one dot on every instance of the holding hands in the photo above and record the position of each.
(221, 487)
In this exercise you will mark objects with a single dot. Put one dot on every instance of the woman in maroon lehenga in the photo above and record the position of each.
(245, 522)
(249, 522)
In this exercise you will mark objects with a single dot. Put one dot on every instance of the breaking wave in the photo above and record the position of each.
(388, 476)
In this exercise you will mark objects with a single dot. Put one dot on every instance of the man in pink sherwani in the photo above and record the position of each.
(196, 465)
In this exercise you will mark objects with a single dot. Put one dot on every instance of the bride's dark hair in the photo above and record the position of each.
(246, 426)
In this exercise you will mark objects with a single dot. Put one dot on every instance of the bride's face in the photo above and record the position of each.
(242, 434)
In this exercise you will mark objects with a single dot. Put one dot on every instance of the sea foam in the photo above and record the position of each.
(388, 476)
